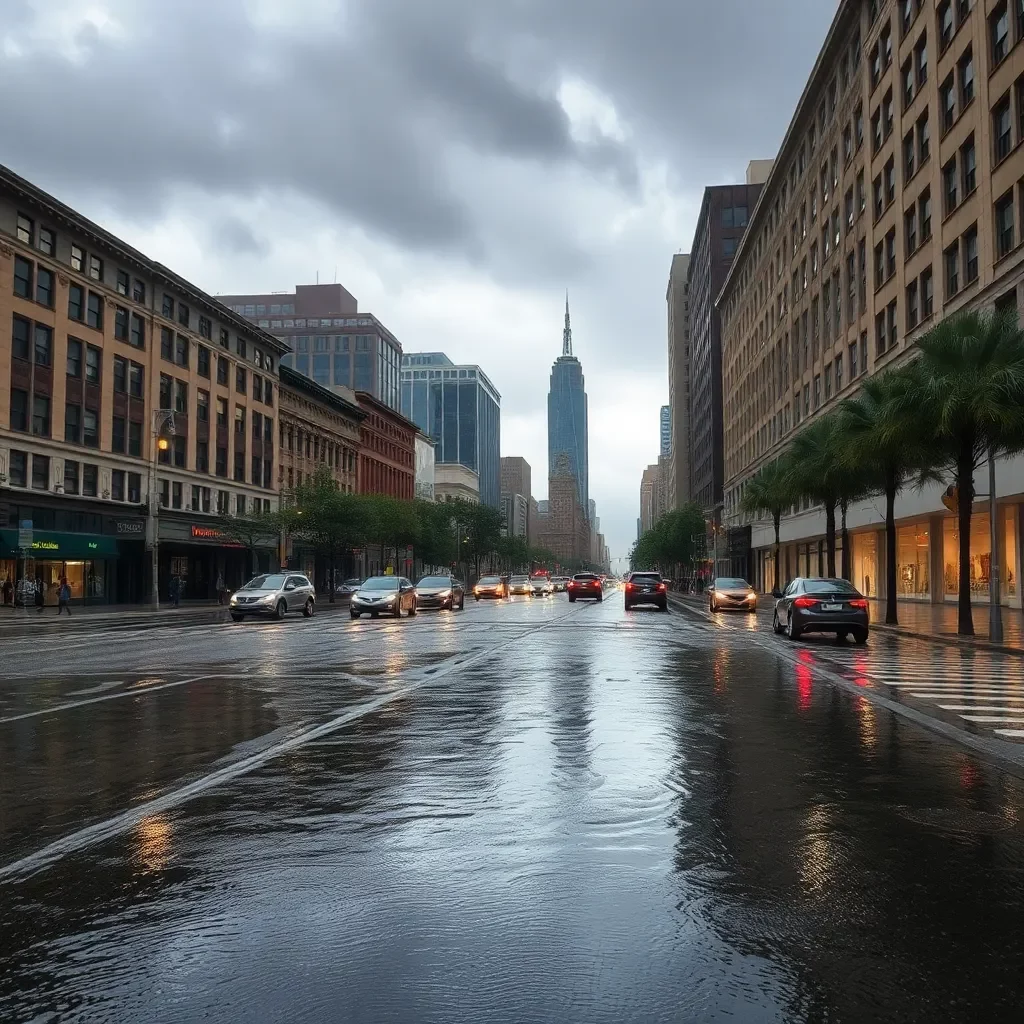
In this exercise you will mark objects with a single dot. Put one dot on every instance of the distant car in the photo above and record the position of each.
(520, 585)
(440, 592)
(731, 592)
(645, 588)
(560, 583)
(818, 605)
(586, 586)
(490, 586)
(542, 586)
(384, 595)
(274, 594)
(344, 591)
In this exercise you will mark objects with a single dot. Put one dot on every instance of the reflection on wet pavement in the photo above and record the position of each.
(610, 819)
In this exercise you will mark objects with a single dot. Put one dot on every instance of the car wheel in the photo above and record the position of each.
(841, 636)
(236, 618)
(309, 608)
(280, 610)
(776, 628)
(792, 631)
(664, 606)
(626, 604)
(462, 602)
(860, 636)
(476, 597)
(412, 610)
(711, 607)
(600, 599)
(572, 600)
(354, 615)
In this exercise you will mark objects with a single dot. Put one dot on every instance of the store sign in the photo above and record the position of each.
(44, 545)
(131, 527)
(206, 533)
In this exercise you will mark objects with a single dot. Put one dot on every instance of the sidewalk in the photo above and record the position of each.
(928, 621)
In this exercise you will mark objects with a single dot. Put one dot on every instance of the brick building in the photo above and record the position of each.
(565, 530)
(387, 450)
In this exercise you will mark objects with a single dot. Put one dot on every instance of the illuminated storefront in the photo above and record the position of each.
(981, 556)
(913, 559)
(865, 564)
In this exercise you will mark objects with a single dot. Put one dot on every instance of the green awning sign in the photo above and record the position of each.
(47, 544)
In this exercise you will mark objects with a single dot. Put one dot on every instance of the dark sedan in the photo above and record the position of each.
(585, 586)
(822, 606)
(440, 592)
(645, 588)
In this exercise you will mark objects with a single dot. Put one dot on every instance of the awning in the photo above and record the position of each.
(47, 544)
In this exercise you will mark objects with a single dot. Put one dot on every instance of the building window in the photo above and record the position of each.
(134, 438)
(176, 490)
(203, 361)
(225, 338)
(924, 206)
(22, 278)
(945, 24)
(19, 410)
(921, 59)
(123, 283)
(1002, 128)
(73, 424)
(181, 397)
(76, 303)
(92, 364)
(910, 230)
(924, 145)
(96, 268)
(40, 416)
(999, 29)
(202, 405)
(179, 448)
(167, 344)
(167, 307)
(913, 310)
(181, 350)
(971, 254)
(138, 291)
(880, 334)
(44, 287)
(136, 375)
(239, 473)
(205, 327)
(951, 261)
(222, 371)
(969, 165)
(949, 186)
(40, 472)
(117, 434)
(120, 323)
(90, 480)
(74, 363)
(203, 459)
(135, 487)
(90, 429)
(25, 229)
(42, 345)
(117, 485)
(184, 314)
(77, 259)
(240, 420)
(1005, 235)
(17, 468)
(240, 380)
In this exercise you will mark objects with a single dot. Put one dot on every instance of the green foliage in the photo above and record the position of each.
(677, 539)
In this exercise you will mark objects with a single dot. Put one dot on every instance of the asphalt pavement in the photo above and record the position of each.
(523, 812)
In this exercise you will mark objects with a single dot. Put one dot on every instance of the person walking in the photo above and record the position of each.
(64, 597)
(8, 591)
(220, 588)
(40, 594)
(175, 591)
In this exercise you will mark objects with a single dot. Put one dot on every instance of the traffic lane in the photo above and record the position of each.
(619, 817)
(82, 749)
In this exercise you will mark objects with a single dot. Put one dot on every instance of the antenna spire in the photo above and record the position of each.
(567, 332)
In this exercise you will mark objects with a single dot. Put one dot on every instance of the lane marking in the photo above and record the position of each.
(131, 692)
(980, 707)
(1011, 733)
(120, 823)
(990, 719)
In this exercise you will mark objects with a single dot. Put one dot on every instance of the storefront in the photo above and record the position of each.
(981, 556)
(199, 554)
(865, 565)
(913, 562)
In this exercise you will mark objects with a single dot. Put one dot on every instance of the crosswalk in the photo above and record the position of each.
(982, 690)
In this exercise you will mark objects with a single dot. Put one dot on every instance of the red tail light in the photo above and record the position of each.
(661, 586)
(571, 584)
(859, 602)
(629, 586)
(805, 602)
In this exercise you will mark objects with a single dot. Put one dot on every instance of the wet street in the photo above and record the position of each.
(524, 812)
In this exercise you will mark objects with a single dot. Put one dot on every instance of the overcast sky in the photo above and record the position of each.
(456, 163)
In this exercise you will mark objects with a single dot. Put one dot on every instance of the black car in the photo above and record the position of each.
(645, 588)
(440, 592)
(585, 586)
(822, 606)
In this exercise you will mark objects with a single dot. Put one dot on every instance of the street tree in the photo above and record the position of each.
(770, 492)
(255, 531)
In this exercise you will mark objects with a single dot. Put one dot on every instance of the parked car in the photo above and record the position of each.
(819, 605)
(490, 586)
(732, 593)
(586, 586)
(645, 588)
(440, 592)
(384, 595)
(274, 595)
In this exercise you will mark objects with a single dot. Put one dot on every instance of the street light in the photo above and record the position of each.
(163, 429)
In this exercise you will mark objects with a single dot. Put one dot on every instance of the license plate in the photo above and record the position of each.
(831, 607)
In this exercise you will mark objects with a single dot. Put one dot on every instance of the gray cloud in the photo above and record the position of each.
(234, 237)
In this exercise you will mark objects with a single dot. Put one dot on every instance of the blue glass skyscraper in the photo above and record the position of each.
(567, 416)
(460, 409)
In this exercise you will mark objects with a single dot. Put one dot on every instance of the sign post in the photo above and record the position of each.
(25, 544)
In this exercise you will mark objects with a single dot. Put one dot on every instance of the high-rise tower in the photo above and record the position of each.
(567, 416)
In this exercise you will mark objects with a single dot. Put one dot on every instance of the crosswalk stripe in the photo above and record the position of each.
(967, 687)
(1016, 734)
(981, 707)
(988, 694)
(992, 719)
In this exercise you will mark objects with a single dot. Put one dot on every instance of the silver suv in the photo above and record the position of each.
(274, 594)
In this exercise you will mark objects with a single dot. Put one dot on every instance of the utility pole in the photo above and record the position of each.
(163, 430)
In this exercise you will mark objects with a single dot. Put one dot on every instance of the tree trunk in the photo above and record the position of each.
(845, 534)
(891, 614)
(776, 522)
(965, 504)
(830, 538)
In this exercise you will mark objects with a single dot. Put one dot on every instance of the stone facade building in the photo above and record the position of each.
(565, 530)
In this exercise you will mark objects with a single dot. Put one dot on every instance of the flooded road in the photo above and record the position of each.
(527, 812)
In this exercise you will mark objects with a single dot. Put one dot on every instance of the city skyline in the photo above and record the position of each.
(567, 417)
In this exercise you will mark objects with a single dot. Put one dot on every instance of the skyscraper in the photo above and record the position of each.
(567, 416)
(665, 432)
(460, 409)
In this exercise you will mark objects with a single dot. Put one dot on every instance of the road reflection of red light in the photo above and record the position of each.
(969, 776)
(803, 686)
(862, 681)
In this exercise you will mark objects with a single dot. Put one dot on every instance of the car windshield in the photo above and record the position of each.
(731, 584)
(519, 579)
(490, 580)
(584, 578)
(352, 583)
(272, 582)
(646, 576)
(435, 581)
(381, 583)
(830, 587)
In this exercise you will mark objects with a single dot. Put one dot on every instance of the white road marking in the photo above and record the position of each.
(981, 707)
(98, 688)
(1016, 734)
(988, 693)
(992, 719)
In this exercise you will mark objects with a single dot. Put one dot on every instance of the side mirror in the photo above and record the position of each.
(776, 593)
(289, 586)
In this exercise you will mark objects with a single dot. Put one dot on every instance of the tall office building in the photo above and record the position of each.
(460, 409)
(567, 416)
(723, 218)
(677, 299)
(665, 431)
(330, 340)
(516, 483)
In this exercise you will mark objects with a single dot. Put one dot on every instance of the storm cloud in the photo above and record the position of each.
(458, 163)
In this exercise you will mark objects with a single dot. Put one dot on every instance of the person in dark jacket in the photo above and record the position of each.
(40, 594)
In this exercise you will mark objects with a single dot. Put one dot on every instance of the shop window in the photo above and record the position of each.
(117, 485)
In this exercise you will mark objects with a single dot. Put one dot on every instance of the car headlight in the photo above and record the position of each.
(444, 594)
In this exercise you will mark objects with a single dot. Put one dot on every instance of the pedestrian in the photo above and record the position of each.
(40, 594)
(64, 597)
(220, 588)
(8, 591)
(175, 591)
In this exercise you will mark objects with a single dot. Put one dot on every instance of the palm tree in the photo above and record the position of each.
(970, 380)
(891, 446)
(770, 492)
(817, 471)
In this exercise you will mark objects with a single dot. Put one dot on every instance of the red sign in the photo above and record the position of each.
(206, 533)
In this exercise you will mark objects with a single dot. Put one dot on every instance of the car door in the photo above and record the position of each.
(786, 601)
(289, 592)
(307, 591)
(406, 594)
